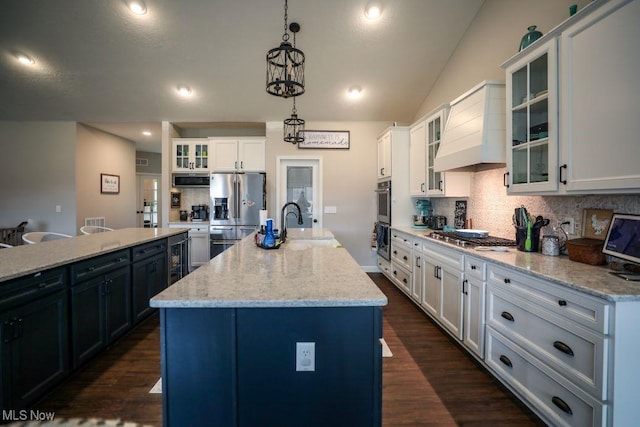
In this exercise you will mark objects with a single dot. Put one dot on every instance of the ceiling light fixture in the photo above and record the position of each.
(25, 59)
(373, 10)
(138, 7)
(285, 64)
(293, 127)
(184, 90)
(354, 92)
(146, 133)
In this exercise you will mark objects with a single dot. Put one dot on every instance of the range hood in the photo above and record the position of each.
(474, 135)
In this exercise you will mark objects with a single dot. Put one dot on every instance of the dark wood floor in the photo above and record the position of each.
(429, 381)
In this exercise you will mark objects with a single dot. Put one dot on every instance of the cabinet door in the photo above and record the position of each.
(451, 316)
(435, 180)
(181, 154)
(198, 248)
(87, 319)
(225, 155)
(600, 102)
(432, 287)
(251, 155)
(474, 297)
(118, 303)
(384, 156)
(417, 160)
(35, 345)
(148, 279)
(417, 277)
(532, 148)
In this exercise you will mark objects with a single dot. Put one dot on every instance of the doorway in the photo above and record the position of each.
(299, 179)
(148, 194)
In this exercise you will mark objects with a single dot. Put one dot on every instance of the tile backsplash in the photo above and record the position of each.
(188, 197)
(491, 209)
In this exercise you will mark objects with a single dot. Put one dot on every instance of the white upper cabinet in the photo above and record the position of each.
(424, 143)
(581, 135)
(237, 155)
(384, 156)
(190, 155)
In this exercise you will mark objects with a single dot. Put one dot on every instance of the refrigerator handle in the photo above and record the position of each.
(238, 201)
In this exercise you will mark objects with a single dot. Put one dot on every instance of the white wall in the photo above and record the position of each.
(100, 152)
(349, 182)
(37, 173)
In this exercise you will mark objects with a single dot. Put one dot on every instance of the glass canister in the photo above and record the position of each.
(550, 245)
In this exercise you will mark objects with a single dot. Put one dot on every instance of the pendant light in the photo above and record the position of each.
(285, 65)
(293, 127)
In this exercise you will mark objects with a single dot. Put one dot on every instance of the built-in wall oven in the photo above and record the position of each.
(383, 194)
(383, 242)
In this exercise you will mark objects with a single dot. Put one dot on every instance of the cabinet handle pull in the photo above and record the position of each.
(241, 164)
(440, 185)
(507, 280)
(562, 405)
(473, 267)
(382, 171)
(235, 165)
(563, 347)
(564, 181)
(418, 262)
(504, 359)
(404, 280)
(508, 316)
(395, 252)
(405, 258)
(562, 303)
(422, 187)
(464, 286)
(395, 272)
(505, 180)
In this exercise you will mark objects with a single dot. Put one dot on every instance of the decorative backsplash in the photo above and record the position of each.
(491, 209)
(189, 197)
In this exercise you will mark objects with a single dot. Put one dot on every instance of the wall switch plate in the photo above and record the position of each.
(330, 209)
(570, 227)
(305, 356)
(58, 208)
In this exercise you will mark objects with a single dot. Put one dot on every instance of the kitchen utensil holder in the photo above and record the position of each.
(521, 237)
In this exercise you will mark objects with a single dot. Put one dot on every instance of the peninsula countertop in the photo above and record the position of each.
(590, 279)
(301, 273)
(27, 259)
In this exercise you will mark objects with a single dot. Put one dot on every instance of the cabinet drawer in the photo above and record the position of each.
(24, 289)
(401, 255)
(401, 238)
(401, 276)
(563, 404)
(574, 351)
(93, 267)
(149, 249)
(475, 268)
(584, 309)
(384, 265)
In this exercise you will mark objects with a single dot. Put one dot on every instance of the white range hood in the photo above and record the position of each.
(474, 134)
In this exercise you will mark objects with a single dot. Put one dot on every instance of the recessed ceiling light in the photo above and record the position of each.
(184, 90)
(146, 133)
(354, 92)
(25, 59)
(138, 7)
(373, 10)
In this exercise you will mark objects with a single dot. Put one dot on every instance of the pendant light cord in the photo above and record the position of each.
(285, 36)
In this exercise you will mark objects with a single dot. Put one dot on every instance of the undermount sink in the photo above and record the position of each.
(302, 244)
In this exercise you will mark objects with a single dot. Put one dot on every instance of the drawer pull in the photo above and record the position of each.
(507, 280)
(504, 359)
(405, 258)
(395, 273)
(395, 252)
(473, 267)
(563, 348)
(404, 280)
(562, 405)
(508, 316)
(562, 303)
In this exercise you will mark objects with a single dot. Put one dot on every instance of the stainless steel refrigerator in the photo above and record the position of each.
(235, 203)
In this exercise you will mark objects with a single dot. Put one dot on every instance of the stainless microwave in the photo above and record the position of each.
(191, 179)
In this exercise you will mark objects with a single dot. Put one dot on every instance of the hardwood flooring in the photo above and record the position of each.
(429, 381)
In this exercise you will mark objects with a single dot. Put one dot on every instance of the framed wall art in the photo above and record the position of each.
(596, 222)
(175, 200)
(333, 139)
(109, 184)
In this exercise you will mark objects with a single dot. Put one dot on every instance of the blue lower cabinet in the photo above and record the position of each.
(241, 366)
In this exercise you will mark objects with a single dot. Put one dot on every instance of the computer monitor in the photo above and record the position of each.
(623, 238)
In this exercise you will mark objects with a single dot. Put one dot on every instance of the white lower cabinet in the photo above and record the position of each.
(198, 246)
(473, 290)
(402, 261)
(417, 276)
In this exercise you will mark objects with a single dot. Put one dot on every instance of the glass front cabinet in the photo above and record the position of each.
(532, 120)
(190, 154)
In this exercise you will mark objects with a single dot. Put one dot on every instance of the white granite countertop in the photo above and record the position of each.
(295, 275)
(27, 259)
(590, 279)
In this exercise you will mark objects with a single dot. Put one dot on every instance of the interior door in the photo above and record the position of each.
(148, 196)
(300, 180)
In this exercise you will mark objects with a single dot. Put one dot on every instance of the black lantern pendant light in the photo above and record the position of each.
(293, 127)
(285, 65)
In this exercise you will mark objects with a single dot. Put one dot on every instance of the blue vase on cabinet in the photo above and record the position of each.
(531, 36)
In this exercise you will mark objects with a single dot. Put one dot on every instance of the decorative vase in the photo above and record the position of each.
(269, 240)
(530, 37)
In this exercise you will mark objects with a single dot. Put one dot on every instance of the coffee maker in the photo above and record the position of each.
(199, 213)
(423, 207)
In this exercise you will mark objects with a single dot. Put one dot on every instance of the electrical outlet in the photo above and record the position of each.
(570, 226)
(305, 356)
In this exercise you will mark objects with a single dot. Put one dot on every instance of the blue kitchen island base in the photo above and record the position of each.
(237, 366)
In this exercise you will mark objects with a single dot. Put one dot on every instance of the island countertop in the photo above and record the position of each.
(27, 259)
(298, 274)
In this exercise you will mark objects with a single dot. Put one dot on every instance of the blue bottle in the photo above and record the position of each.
(269, 240)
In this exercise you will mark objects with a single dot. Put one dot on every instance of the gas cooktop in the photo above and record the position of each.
(455, 239)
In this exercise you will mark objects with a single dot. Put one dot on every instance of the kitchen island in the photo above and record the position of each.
(230, 332)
